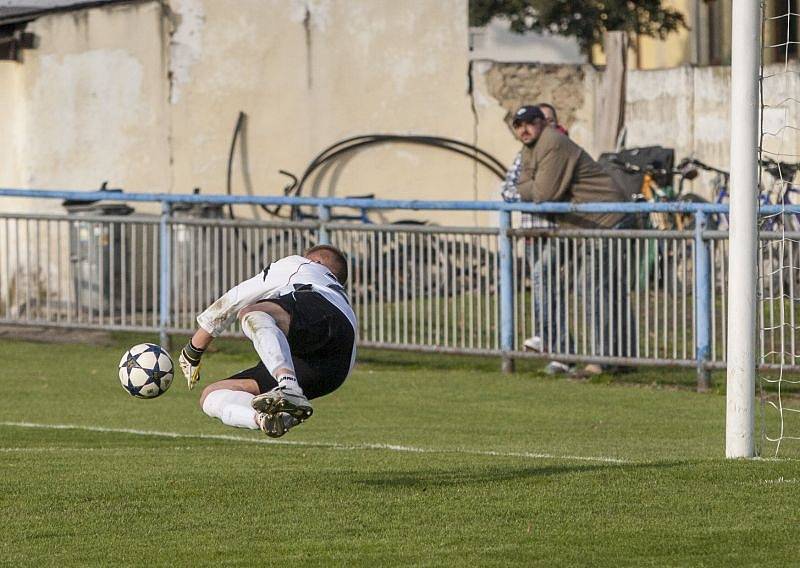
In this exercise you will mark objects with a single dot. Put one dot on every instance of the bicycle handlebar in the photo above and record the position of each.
(781, 170)
(706, 167)
(682, 169)
(778, 169)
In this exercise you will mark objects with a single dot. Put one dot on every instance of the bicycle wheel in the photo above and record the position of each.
(688, 219)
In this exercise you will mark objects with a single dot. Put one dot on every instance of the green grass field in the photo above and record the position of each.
(416, 460)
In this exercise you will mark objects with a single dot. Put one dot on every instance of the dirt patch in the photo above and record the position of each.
(515, 84)
(55, 335)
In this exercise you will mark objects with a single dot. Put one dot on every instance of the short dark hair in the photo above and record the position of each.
(552, 109)
(331, 257)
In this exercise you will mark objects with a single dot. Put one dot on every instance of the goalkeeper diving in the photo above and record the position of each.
(297, 315)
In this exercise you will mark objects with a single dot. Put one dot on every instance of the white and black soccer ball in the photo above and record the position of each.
(145, 370)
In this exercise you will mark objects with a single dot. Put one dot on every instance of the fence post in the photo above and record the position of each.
(506, 285)
(324, 214)
(702, 279)
(164, 275)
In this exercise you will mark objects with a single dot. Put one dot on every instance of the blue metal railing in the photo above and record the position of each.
(410, 204)
(702, 271)
(701, 213)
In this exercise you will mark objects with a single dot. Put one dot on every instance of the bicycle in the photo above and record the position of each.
(782, 191)
(658, 254)
(780, 257)
(651, 191)
(719, 194)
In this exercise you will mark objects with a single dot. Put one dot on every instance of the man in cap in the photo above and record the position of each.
(554, 168)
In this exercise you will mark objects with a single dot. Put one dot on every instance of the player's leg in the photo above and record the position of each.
(229, 400)
(268, 325)
(322, 343)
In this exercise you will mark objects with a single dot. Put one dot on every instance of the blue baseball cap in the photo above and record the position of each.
(527, 113)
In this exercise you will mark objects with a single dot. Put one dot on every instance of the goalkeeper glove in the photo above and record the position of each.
(189, 361)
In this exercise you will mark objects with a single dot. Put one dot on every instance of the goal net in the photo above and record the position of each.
(778, 285)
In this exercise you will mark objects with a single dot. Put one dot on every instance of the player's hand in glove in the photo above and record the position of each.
(190, 364)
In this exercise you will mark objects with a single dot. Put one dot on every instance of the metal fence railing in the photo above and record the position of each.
(629, 296)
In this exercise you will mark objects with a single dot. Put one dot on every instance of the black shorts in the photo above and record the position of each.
(322, 342)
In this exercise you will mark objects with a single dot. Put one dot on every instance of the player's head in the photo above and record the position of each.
(528, 123)
(332, 258)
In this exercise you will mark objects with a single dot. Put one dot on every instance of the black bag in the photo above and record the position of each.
(656, 157)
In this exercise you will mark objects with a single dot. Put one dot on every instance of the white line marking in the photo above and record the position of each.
(328, 445)
(82, 449)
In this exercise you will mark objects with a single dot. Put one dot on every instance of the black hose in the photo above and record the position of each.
(433, 140)
(236, 134)
(350, 144)
(346, 145)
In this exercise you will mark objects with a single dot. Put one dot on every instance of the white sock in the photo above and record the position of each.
(270, 343)
(290, 382)
(232, 407)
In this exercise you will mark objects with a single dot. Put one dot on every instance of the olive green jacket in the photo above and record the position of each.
(554, 168)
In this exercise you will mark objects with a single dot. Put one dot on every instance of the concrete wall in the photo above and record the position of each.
(309, 74)
(89, 103)
(146, 96)
(689, 109)
(497, 42)
(11, 116)
(87, 106)
(686, 108)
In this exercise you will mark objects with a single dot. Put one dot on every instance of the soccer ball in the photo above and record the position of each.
(145, 371)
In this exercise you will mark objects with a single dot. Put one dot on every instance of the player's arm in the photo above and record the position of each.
(191, 354)
(217, 318)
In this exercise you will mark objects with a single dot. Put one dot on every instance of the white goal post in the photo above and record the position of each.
(742, 308)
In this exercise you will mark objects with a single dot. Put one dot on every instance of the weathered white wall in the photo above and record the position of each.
(689, 109)
(146, 96)
(685, 108)
(497, 42)
(90, 104)
(310, 73)
(87, 105)
(781, 112)
(11, 122)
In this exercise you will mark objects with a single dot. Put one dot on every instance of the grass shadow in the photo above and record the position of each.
(493, 474)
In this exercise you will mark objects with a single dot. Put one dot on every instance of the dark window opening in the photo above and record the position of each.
(13, 39)
(782, 31)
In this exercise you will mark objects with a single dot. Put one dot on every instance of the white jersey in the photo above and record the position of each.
(279, 278)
